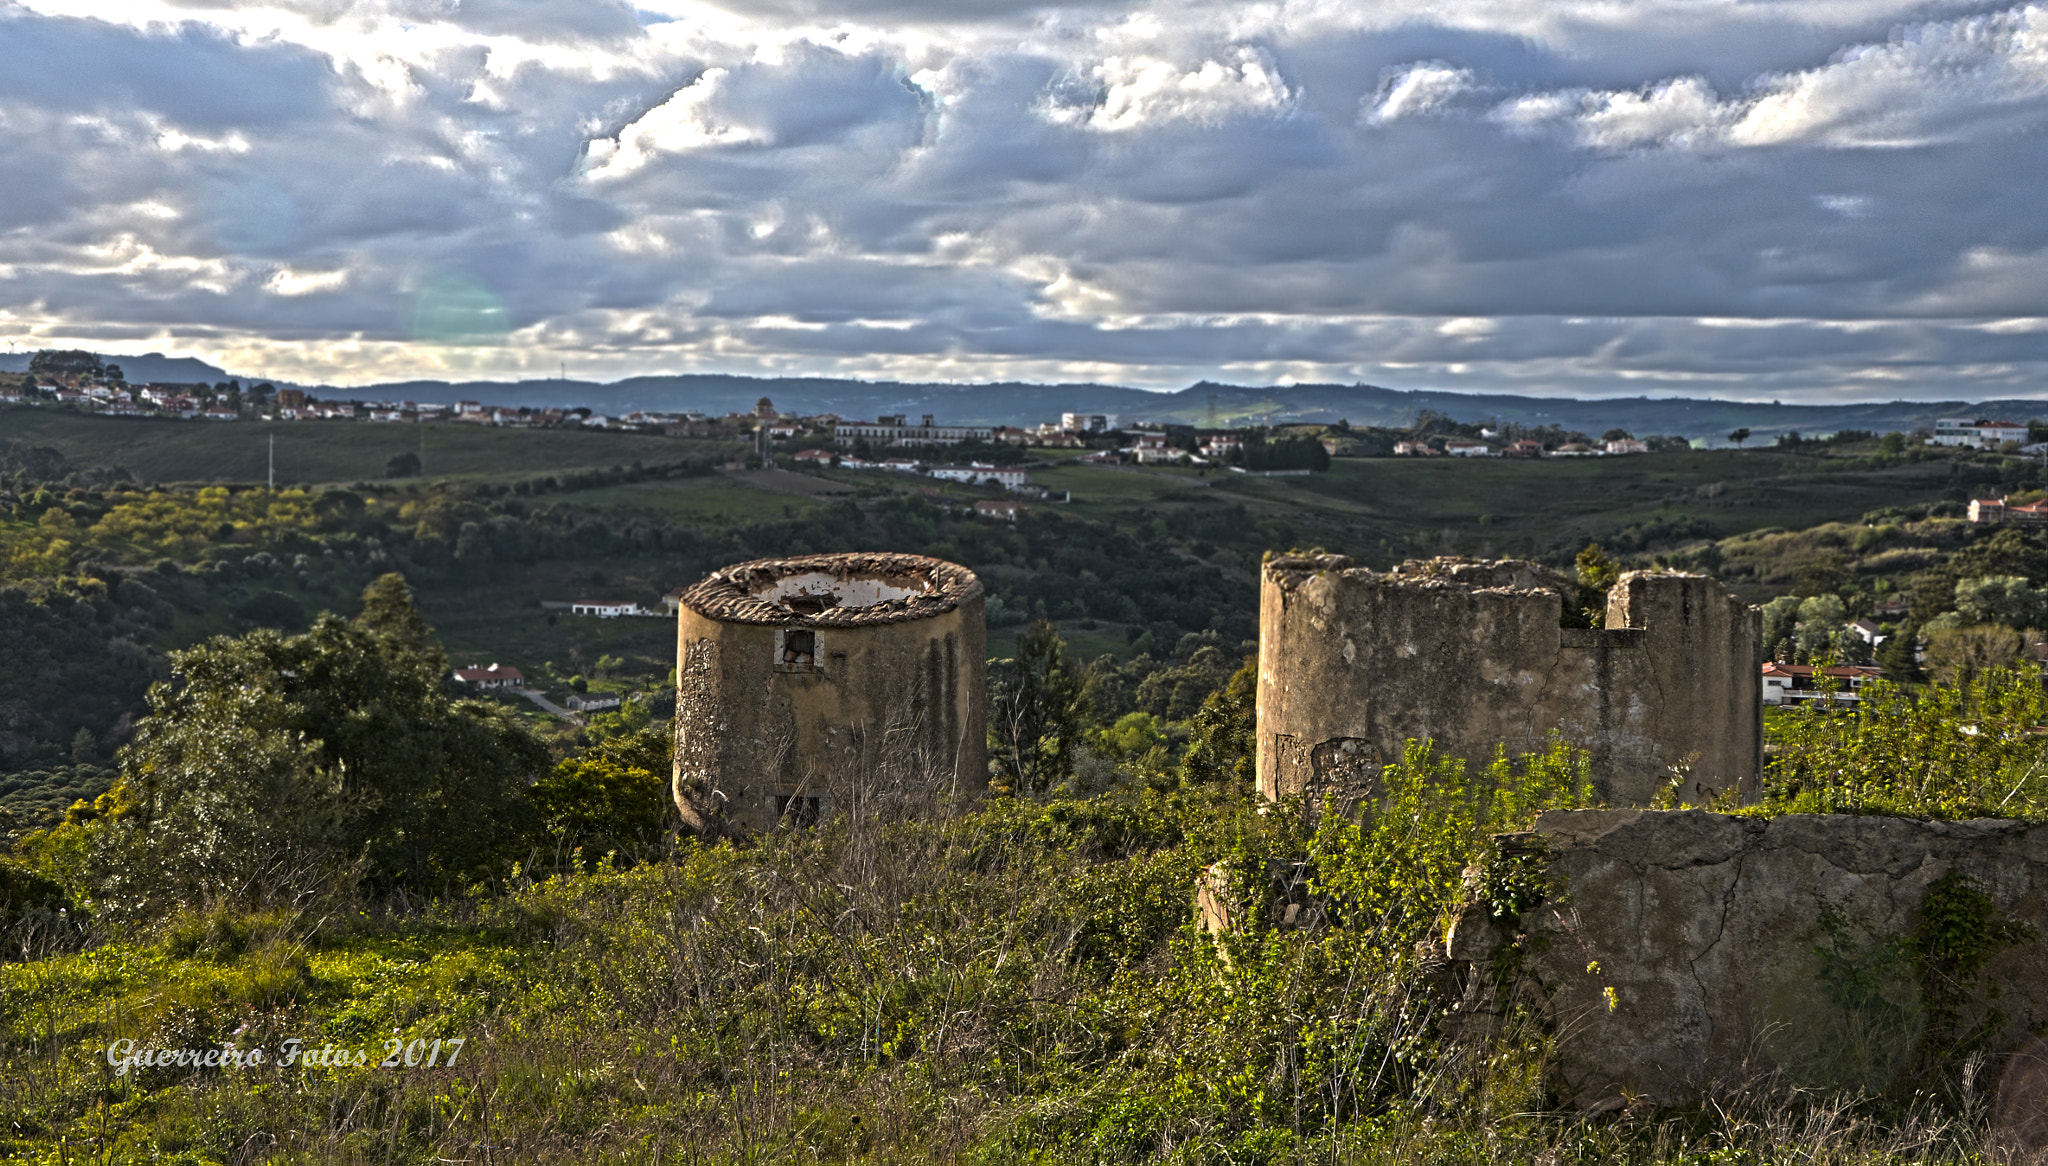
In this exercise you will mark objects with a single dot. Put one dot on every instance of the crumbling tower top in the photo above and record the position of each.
(1475, 656)
(833, 591)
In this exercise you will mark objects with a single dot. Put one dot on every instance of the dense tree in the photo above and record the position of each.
(281, 767)
(272, 609)
(390, 614)
(1037, 706)
(72, 663)
(1898, 655)
(1285, 453)
(611, 797)
(65, 362)
(2010, 551)
(1596, 573)
(1810, 630)
(2007, 600)
(1958, 656)
(1223, 748)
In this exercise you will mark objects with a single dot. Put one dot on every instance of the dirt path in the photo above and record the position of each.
(549, 706)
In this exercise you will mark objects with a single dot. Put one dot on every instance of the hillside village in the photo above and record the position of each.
(92, 385)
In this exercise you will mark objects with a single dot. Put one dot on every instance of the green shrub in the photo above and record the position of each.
(1947, 751)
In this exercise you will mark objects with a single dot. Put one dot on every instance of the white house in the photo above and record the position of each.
(981, 475)
(605, 609)
(885, 431)
(1997, 510)
(494, 677)
(1468, 449)
(1978, 434)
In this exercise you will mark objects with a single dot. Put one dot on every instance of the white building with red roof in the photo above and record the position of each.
(2004, 510)
(1792, 684)
(494, 677)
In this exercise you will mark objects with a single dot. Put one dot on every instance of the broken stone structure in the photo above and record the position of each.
(1738, 950)
(1354, 663)
(826, 683)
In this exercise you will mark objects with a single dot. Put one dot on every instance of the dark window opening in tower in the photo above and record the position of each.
(800, 648)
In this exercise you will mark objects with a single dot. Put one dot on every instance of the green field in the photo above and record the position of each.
(505, 622)
(162, 450)
(1386, 509)
(712, 501)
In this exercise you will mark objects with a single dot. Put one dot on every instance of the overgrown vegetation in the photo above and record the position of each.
(1020, 981)
(312, 839)
(1943, 751)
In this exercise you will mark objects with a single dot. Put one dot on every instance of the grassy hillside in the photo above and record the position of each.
(157, 450)
(1498, 506)
(1386, 509)
(1020, 982)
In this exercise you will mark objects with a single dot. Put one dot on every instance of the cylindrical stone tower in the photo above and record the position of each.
(821, 684)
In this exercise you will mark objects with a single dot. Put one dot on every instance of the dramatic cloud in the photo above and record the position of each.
(1417, 89)
(1770, 199)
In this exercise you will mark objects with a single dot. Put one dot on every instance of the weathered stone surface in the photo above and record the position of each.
(1354, 663)
(825, 683)
(1736, 947)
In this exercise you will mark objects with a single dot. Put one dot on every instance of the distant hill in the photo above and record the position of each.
(150, 366)
(1027, 404)
(1012, 403)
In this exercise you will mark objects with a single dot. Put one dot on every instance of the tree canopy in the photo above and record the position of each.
(274, 765)
(1037, 705)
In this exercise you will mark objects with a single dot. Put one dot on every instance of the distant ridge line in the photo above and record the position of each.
(1023, 403)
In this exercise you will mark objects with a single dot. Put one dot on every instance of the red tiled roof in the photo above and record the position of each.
(1844, 671)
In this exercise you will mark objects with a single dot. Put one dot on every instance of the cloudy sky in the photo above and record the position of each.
(1807, 200)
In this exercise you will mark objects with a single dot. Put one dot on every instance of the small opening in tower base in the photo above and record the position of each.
(799, 810)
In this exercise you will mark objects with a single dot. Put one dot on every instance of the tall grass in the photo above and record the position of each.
(1018, 983)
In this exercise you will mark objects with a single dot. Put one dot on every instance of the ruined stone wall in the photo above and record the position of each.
(888, 709)
(1354, 663)
(1738, 950)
